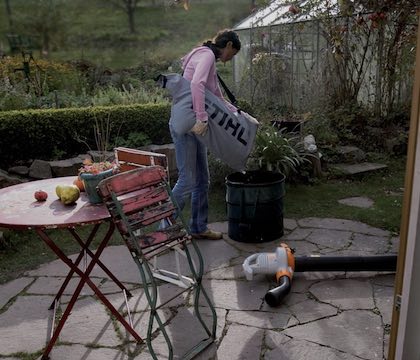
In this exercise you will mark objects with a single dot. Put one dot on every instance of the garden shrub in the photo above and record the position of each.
(344, 125)
(135, 140)
(38, 134)
(218, 171)
(142, 93)
(73, 84)
(45, 76)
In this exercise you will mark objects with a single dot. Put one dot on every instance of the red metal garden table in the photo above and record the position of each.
(20, 211)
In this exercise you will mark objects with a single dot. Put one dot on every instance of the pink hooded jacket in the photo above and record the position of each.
(200, 69)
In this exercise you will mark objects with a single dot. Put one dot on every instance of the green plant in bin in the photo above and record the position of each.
(278, 151)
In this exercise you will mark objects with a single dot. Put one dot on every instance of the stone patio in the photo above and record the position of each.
(327, 315)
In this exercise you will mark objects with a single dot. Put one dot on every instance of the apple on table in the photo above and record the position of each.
(40, 195)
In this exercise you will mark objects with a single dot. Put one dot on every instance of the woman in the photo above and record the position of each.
(191, 155)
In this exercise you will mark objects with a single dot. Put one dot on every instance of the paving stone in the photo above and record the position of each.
(137, 351)
(303, 248)
(141, 323)
(241, 342)
(251, 248)
(353, 169)
(289, 224)
(107, 286)
(310, 310)
(227, 273)
(384, 279)
(56, 267)
(12, 288)
(17, 332)
(89, 323)
(261, 319)
(138, 302)
(182, 337)
(361, 274)
(357, 201)
(384, 300)
(72, 352)
(297, 234)
(341, 224)
(386, 345)
(356, 332)
(268, 246)
(370, 244)
(221, 315)
(238, 295)
(301, 327)
(291, 299)
(300, 284)
(120, 262)
(281, 347)
(51, 286)
(210, 353)
(345, 294)
(333, 239)
(216, 253)
(323, 275)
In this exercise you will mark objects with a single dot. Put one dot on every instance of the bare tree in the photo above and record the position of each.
(129, 7)
(9, 14)
(362, 33)
(45, 22)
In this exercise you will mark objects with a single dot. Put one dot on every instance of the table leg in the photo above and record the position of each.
(99, 262)
(85, 248)
(84, 278)
(76, 263)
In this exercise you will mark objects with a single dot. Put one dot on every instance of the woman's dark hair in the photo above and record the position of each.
(221, 39)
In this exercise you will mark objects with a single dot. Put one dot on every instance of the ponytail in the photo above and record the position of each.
(221, 40)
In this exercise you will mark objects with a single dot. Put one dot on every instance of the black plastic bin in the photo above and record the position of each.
(255, 206)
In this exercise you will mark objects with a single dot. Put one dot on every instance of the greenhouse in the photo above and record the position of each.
(294, 57)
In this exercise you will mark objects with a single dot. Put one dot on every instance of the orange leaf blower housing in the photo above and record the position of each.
(283, 264)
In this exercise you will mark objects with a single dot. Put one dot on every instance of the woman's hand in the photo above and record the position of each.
(200, 127)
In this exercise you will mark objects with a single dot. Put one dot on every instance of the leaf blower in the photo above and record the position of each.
(283, 264)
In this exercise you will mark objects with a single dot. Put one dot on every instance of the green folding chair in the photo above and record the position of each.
(139, 201)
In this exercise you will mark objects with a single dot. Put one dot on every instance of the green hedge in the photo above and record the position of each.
(49, 134)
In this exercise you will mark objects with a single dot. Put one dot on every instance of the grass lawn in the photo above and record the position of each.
(97, 31)
(384, 187)
(24, 250)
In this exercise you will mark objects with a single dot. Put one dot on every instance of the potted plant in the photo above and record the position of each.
(255, 197)
(91, 173)
(277, 150)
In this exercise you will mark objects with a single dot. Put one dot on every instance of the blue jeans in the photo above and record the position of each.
(193, 178)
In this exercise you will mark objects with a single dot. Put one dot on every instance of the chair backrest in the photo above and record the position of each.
(129, 159)
(139, 198)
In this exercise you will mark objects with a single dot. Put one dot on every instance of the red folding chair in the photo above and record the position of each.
(129, 159)
(138, 201)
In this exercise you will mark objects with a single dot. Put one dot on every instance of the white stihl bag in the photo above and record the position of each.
(230, 137)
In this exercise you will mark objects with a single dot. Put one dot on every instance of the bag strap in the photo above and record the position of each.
(229, 94)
